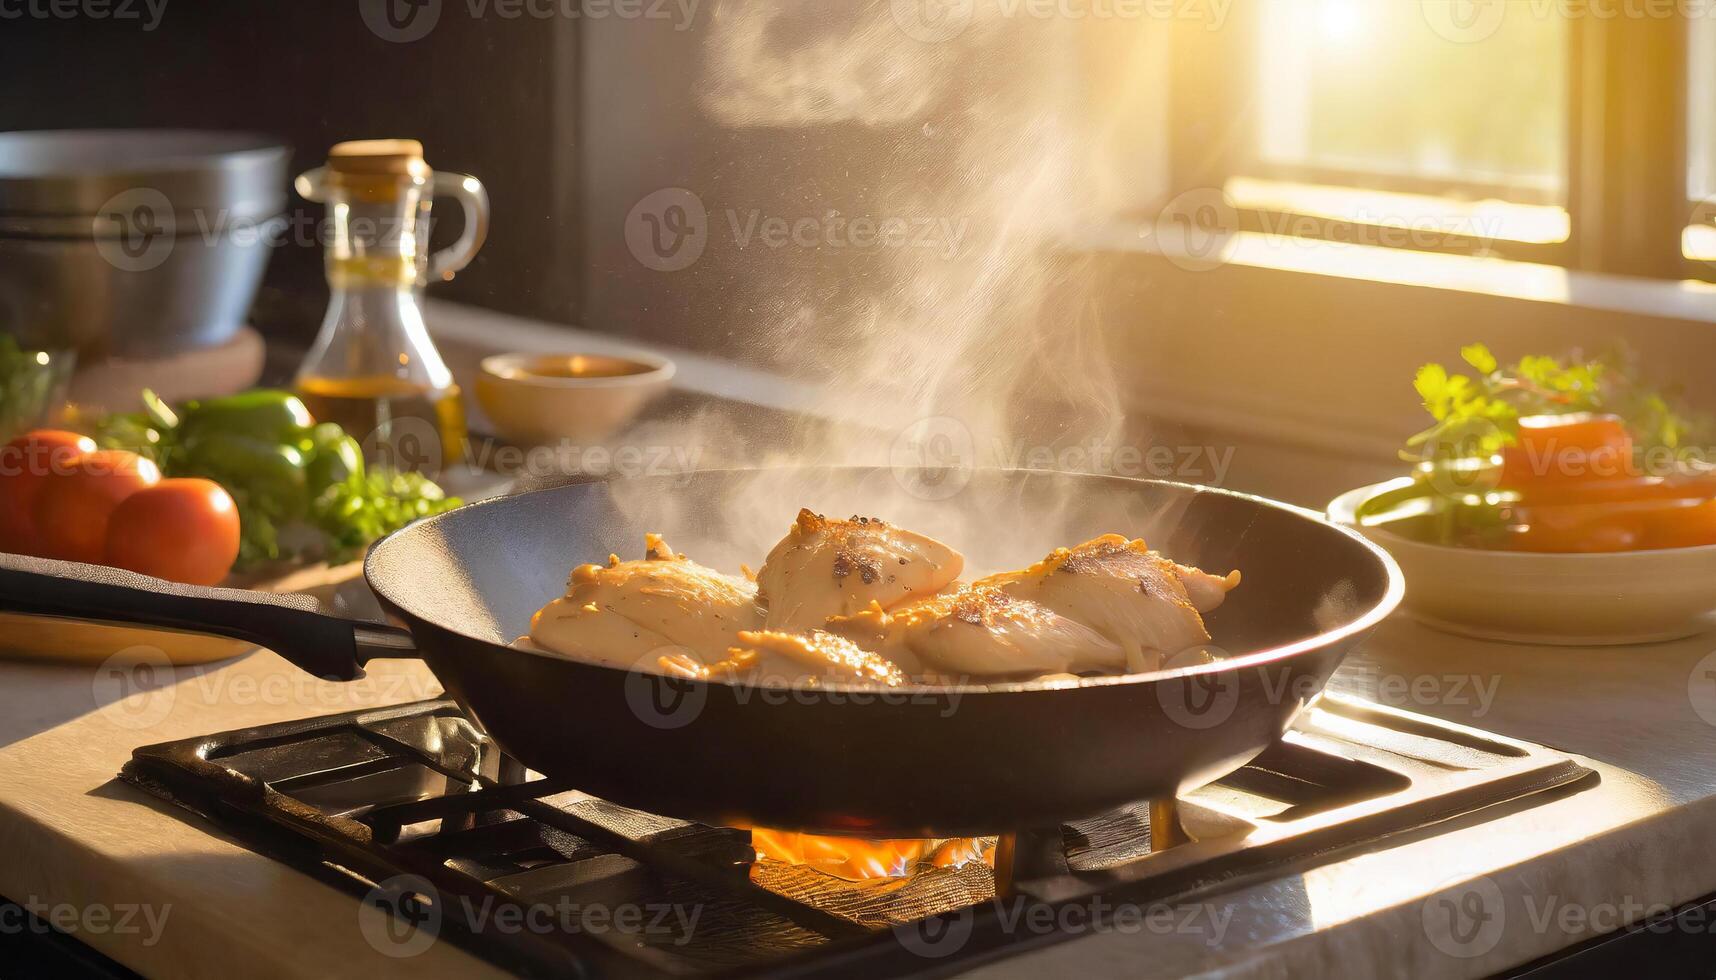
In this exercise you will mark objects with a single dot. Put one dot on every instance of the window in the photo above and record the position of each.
(1699, 239)
(1361, 86)
(1549, 132)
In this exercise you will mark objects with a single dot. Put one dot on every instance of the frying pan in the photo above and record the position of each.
(929, 761)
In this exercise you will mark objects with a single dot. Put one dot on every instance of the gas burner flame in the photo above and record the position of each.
(864, 859)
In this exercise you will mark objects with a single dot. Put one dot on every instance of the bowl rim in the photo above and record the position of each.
(166, 150)
(1341, 510)
(660, 369)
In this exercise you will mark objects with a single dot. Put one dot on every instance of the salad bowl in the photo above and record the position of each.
(1608, 598)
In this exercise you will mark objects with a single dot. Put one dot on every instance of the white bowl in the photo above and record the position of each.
(1530, 597)
(532, 406)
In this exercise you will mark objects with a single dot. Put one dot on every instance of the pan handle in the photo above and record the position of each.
(291, 625)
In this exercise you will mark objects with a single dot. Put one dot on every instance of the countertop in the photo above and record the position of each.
(159, 890)
(198, 903)
(1529, 883)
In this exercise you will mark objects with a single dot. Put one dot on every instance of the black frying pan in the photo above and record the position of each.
(926, 762)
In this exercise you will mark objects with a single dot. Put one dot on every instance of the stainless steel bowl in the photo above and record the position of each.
(134, 243)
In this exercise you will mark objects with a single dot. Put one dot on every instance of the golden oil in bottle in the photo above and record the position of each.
(400, 423)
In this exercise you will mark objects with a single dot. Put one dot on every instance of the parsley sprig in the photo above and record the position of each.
(1478, 416)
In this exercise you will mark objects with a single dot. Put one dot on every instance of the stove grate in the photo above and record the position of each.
(415, 809)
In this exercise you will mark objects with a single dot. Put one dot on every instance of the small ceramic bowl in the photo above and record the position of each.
(1529, 597)
(542, 399)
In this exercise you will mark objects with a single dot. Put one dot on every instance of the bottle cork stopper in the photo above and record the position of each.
(378, 158)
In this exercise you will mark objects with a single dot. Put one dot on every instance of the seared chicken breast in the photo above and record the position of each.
(981, 630)
(826, 568)
(622, 612)
(861, 601)
(1150, 606)
(806, 659)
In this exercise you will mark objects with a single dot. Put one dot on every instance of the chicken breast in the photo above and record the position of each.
(794, 659)
(631, 611)
(1150, 606)
(825, 568)
(981, 631)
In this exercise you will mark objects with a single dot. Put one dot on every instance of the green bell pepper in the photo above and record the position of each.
(266, 476)
(265, 415)
(334, 458)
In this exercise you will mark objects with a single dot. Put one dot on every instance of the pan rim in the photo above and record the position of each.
(1368, 620)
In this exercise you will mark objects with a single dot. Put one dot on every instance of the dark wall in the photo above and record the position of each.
(480, 92)
(571, 121)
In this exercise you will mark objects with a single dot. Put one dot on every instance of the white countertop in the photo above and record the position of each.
(72, 834)
(1546, 877)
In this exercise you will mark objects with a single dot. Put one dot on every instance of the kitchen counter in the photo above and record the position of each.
(72, 835)
(198, 902)
(1529, 883)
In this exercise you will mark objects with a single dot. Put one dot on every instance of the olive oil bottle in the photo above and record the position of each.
(374, 369)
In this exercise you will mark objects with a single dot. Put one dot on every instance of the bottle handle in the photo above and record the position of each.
(475, 200)
(310, 183)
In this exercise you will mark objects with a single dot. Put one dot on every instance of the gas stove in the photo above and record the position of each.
(416, 811)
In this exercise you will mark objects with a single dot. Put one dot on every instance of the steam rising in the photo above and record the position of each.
(1001, 335)
(946, 357)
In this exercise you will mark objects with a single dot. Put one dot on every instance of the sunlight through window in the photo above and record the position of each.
(1366, 92)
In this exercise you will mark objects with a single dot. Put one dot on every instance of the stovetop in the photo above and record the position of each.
(443, 836)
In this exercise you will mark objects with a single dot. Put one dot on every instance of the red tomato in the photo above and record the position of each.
(185, 530)
(1555, 449)
(72, 512)
(1628, 525)
(1577, 528)
(26, 465)
(1674, 487)
(1690, 524)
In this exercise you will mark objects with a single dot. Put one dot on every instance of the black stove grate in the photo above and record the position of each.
(415, 809)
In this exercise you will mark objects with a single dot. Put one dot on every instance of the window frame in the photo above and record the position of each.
(1628, 184)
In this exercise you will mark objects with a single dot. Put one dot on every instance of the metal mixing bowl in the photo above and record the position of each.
(134, 243)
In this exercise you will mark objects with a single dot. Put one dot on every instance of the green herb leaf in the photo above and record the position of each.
(1432, 386)
(1478, 356)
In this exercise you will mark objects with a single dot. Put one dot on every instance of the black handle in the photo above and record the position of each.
(291, 625)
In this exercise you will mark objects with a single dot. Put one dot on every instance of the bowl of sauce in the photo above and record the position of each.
(569, 399)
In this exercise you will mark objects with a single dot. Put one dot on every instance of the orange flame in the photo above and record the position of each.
(860, 859)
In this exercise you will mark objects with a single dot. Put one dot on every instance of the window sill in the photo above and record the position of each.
(1412, 217)
(1503, 278)
(1314, 344)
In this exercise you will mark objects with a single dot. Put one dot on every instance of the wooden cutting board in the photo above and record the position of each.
(53, 639)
